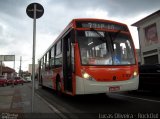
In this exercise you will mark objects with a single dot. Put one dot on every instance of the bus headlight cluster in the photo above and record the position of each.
(87, 76)
(135, 74)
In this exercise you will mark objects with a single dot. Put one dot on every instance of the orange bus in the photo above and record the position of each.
(90, 56)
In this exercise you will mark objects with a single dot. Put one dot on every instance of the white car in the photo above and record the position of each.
(28, 79)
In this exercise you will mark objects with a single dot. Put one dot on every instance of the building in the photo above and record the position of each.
(30, 68)
(149, 38)
(7, 71)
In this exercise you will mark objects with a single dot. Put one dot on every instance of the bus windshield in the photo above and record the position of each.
(105, 48)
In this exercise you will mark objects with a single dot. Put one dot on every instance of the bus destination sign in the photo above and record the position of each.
(101, 25)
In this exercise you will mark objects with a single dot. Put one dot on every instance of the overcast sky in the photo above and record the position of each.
(16, 27)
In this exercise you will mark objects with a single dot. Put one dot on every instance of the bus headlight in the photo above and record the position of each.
(87, 76)
(135, 74)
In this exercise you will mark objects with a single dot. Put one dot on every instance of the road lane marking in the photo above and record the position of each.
(53, 108)
(150, 100)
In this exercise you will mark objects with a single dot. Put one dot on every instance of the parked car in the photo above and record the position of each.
(18, 80)
(3, 80)
(10, 81)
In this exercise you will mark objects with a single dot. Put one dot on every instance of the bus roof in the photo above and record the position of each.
(95, 19)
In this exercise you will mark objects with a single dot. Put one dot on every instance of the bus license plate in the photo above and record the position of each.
(114, 88)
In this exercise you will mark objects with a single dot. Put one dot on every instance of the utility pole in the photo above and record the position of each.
(20, 73)
(1, 67)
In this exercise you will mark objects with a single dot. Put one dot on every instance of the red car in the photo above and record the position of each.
(18, 80)
(10, 81)
(3, 81)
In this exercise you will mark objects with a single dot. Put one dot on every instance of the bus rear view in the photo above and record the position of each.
(105, 59)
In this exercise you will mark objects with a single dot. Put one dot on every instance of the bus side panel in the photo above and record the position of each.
(47, 78)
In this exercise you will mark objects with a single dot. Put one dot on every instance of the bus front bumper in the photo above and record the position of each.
(84, 86)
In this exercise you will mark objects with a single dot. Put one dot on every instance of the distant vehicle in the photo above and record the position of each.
(3, 80)
(149, 77)
(28, 79)
(90, 56)
(18, 80)
(24, 80)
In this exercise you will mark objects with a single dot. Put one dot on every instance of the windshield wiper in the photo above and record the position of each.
(100, 35)
(103, 38)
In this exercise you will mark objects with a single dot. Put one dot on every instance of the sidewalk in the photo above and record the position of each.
(16, 101)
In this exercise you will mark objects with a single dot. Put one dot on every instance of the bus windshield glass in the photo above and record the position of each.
(105, 48)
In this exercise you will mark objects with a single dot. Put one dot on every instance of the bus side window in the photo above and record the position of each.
(58, 55)
(52, 57)
(47, 61)
(41, 64)
(44, 62)
(49, 58)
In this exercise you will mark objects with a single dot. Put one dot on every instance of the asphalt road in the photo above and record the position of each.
(112, 105)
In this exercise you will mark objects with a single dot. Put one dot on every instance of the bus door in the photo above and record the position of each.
(67, 65)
